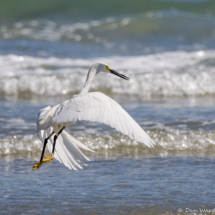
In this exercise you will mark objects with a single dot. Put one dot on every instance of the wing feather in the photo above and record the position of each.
(100, 108)
(66, 149)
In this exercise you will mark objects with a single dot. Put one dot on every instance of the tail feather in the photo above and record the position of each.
(67, 149)
(77, 142)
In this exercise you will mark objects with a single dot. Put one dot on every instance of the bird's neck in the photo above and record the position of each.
(90, 76)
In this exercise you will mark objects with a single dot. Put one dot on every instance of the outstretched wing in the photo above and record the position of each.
(97, 107)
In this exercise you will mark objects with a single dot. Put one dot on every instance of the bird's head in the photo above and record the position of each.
(103, 67)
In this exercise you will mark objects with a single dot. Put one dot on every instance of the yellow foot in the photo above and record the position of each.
(48, 159)
(37, 165)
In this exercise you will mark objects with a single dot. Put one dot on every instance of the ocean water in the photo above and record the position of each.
(166, 48)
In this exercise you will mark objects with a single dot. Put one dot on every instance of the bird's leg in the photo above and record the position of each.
(39, 164)
(49, 159)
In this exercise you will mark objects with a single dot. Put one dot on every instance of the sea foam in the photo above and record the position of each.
(177, 73)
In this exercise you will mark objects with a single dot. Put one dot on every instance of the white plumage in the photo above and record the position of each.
(97, 107)
(93, 107)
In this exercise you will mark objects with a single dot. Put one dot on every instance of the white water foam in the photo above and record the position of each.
(176, 73)
(197, 141)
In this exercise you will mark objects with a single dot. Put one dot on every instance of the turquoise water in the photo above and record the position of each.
(166, 48)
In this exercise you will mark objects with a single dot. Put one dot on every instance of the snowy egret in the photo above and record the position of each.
(93, 107)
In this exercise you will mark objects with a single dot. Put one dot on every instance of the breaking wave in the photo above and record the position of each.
(176, 142)
(176, 73)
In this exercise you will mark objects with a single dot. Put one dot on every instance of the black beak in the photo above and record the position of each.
(118, 74)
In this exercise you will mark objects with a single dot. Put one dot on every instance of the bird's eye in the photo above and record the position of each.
(107, 67)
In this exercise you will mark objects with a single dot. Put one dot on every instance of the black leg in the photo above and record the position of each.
(61, 130)
(38, 165)
(55, 138)
(44, 147)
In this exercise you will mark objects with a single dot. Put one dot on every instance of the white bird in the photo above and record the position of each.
(93, 107)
